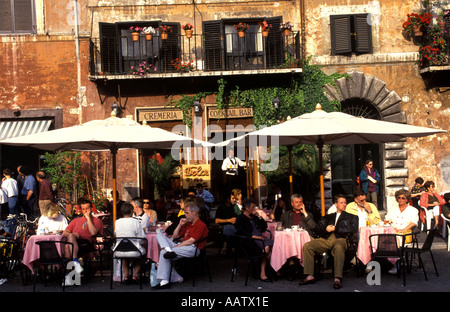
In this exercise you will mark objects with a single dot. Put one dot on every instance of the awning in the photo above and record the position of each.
(12, 129)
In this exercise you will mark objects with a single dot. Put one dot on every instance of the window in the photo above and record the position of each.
(17, 16)
(119, 52)
(224, 50)
(350, 34)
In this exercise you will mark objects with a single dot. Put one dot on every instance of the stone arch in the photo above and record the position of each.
(373, 90)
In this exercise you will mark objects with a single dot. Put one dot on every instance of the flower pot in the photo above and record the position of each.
(287, 32)
(241, 34)
(265, 33)
(148, 37)
(164, 36)
(188, 33)
(417, 31)
(135, 36)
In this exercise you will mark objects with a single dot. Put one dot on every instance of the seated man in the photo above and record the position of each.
(206, 195)
(80, 232)
(333, 233)
(364, 210)
(190, 229)
(226, 218)
(298, 215)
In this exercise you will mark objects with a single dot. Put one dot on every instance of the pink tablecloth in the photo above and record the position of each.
(32, 250)
(286, 245)
(272, 227)
(153, 248)
(363, 253)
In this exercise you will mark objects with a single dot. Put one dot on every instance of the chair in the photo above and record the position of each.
(49, 255)
(388, 247)
(246, 248)
(426, 247)
(125, 249)
(101, 244)
(446, 224)
(428, 215)
(199, 254)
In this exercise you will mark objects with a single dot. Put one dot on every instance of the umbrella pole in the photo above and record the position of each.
(322, 189)
(114, 154)
(291, 182)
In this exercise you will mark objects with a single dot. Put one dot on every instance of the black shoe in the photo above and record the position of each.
(170, 255)
(159, 286)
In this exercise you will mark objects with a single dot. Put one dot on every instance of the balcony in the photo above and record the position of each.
(113, 58)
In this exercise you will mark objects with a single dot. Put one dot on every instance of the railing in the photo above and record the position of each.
(201, 52)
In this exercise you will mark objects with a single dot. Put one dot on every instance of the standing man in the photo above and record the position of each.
(364, 210)
(190, 229)
(28, 193)
(11, 189)
(334, 230)
(45, 192)
(139, 213)
(206, 195)
(230, 166)
(80, 232)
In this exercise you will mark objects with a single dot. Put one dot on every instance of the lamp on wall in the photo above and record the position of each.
(276, 104)
(197, 107)
(17, 112)
(115, 110)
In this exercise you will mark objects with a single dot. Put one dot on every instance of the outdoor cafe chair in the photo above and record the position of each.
(446, 224)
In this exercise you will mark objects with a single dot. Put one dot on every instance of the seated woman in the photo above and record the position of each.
(431, 201)
(250, 224)
(129, 227)
(52, 221)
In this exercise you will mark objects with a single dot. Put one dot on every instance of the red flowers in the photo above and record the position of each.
(183, 67)
(415, 19)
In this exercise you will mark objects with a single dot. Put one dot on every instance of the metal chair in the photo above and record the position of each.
(246, 248)
(125, 248)
(426, 247)
(200, 254)
(388, 247)
(446, 224)
(49, 255)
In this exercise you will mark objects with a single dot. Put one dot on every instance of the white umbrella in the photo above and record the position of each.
(101, 135)
(320, 127)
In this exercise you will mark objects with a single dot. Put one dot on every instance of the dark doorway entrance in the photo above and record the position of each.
(347, 161)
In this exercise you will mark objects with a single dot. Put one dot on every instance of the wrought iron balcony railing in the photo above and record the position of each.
(202, 52)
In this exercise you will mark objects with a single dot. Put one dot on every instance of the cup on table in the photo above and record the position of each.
(294, 227)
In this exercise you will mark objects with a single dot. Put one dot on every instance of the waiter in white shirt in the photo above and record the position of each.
(231, 167)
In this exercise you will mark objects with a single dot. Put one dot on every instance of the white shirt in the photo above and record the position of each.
(400, 220)
(53, 225)
(9, 186)
(362, 217)
(3, 197)
(130, 227)
(144, 219)
(231, 164)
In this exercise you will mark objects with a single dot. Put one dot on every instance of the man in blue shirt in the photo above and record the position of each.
(28, 191)
(206, 195)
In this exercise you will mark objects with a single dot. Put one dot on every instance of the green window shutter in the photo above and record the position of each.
(363, 34)
(340, 26)
(213, 45)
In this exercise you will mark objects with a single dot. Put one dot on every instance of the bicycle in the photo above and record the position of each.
(62, 204)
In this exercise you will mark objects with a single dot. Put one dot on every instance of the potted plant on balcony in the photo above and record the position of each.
(241, 28)
(164, 30)
(148, 32)
(142, 69)
(286, 28)
(265, 27)
(135, 32)
(415, 23)
(188, 30)
(183, 67)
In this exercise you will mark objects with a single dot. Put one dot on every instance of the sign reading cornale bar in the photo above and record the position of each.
(159, 114)
(235, 112)
(193, 174)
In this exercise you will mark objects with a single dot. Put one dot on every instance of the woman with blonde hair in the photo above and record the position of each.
(52, 221)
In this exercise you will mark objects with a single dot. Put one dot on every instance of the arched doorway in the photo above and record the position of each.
(363, 95)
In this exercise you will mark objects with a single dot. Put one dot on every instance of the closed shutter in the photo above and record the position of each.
(109, 48)
(23, 16)
(170, 48)
(274, 43)
(341, 42)
(363, 34)
(5, 16)
(213, 45)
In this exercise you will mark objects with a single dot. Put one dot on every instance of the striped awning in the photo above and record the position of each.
(12, 129)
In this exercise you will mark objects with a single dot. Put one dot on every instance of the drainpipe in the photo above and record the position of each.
(77, 48)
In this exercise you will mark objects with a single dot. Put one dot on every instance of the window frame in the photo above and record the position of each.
(350, 35)
(13, 15)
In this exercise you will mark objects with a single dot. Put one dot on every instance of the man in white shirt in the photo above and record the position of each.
(11, 190)
(139, 213)
(230, 166)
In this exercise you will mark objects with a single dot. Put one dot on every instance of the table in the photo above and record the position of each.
(288, 244)
(272, 227)
(32, 249)
(153, 248)
(364, 253)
